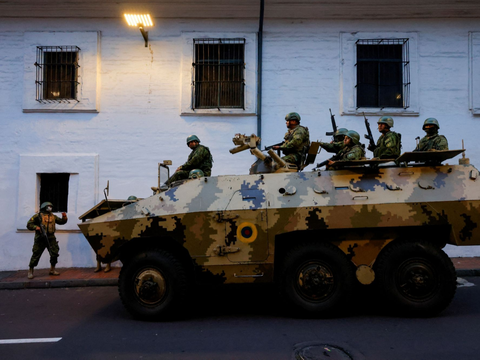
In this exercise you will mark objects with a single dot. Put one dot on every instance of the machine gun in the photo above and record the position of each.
(372, 144)
(334, 125)
(43, 232)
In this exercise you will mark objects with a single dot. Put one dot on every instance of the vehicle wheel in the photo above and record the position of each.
(152, 285)
(317, 278)
(416, 278)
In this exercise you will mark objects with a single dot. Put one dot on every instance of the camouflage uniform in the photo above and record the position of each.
(355, 152)
(333, 147)
(388, 146)
(199, 158)
(433, 142)
(48, 220)
(295, 142)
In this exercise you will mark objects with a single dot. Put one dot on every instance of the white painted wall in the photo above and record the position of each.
(139, 122)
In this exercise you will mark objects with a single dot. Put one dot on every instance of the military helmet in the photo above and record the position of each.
(341, 131)
(195, 174)
(292, 116)
(431, 121)
(132, 198)
(386, 120)
(45, 204)
(354, 136)
(192, 138)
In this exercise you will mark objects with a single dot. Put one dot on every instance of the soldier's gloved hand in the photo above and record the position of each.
(37, 228)
(64, 214)
(276, 147)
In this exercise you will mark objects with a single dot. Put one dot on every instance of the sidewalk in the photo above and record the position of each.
(78, 277)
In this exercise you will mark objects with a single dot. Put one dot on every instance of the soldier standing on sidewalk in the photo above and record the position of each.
(47, 220)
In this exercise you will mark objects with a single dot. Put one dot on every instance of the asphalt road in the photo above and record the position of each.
(229, 323)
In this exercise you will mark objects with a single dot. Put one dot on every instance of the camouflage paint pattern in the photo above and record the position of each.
(229, 224)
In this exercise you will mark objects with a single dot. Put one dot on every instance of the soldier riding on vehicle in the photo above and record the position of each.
(432, 141)
(200, 158)
(352, 149)
(337, 143)
(389, 143)
(297, 140)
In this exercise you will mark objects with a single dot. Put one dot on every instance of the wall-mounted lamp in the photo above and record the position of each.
(141, 21)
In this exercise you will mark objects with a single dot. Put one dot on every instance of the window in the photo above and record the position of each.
(54, 188)
(383, 73)
(219, 79)
(219, 73)
(56, 73)
(379, 73)
(61, 78)
(57, 178)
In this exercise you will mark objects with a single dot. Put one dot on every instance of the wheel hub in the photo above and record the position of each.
(150, 286)
(417, 279)
(315, 281)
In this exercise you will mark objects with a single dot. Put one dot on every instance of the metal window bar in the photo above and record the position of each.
(218, 73)
(57, 74)
(386, 79)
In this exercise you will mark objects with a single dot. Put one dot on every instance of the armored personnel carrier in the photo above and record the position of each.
(317, 234)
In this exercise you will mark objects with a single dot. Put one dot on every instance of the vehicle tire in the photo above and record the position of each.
(152, 285)
(317, 278)
(416, 278)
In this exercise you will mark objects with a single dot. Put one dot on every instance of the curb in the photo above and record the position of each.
(468, 272)
(28, 284)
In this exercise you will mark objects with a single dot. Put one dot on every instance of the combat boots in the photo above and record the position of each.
(30, 273)
(52, 271)
(107, 268)
(99, 267)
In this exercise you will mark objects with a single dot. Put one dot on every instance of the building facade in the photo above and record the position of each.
(83, 101)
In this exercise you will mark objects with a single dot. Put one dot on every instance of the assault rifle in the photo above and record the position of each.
(372, 145)
(325, 162)
(334, 125)
(271, 146)
(43, 232)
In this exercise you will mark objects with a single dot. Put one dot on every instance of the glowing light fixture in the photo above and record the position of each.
(140, 20)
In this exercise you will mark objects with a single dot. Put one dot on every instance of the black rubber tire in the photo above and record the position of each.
(416, 278)
(152, 301)
(317, 278)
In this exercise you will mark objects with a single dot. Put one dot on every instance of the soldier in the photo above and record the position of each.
(389, 143)
(432, 141)
(297, 140)
(47, 220)
(199, 158)
(337, 144)
(352, 149)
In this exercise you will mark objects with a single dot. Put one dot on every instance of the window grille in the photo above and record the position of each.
(57, 73)
(54, 188)
(383, 73)
(218, 73)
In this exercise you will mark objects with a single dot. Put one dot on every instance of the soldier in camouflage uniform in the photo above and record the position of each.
(352, 149)
(297, 140)
(337, 144)
(432, 141)
(200, 158)
(389, 143)
(48, 220)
